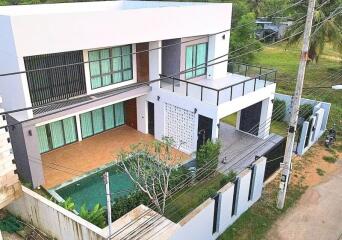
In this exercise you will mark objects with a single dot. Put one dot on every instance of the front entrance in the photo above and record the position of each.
(250, 119)
(150, 109)
(205, 126)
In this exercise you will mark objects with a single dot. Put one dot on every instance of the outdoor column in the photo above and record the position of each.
(78, 126)
(155, 62)
(265, 118)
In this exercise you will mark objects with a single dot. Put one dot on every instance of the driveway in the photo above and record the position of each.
(318, 214)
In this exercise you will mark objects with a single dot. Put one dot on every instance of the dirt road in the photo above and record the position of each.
(318, 214)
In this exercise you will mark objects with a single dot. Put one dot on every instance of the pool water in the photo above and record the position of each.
(90, 190)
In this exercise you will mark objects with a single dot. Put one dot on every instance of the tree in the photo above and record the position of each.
(243, 39)
(150, 166)
(207, 158)
(323, 31)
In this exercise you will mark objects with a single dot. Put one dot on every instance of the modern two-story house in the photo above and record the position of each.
(91, 80)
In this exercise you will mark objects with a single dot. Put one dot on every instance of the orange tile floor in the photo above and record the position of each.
(76, 159)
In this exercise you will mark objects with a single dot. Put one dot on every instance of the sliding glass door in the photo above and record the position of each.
(57, 134)
(102, 119)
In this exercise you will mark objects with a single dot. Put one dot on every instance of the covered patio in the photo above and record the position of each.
(74, 160)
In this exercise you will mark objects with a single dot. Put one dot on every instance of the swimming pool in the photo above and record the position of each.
(90, 189)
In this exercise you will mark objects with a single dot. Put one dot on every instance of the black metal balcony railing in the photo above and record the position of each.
(258, 78)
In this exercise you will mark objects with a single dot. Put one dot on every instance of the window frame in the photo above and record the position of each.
(111, 72)
(103, 120)
(49, 136)
(194, 60)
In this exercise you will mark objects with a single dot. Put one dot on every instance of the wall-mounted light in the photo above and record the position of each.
(272, 100)
(195, 110)
(30, 132)
(158, 98)
(218, 125)
(224, 36)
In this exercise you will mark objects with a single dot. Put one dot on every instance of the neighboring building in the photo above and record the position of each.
(187, 108)
(271, 30)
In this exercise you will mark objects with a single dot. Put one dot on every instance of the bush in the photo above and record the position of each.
(177, 176)
(230, 177)
(305, 111)
(68, 204)
(10, 224)
(96, 216)
(207, 157)
(279, 110)
(125, 204)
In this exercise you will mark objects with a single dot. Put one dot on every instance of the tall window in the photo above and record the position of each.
(195, 57)
(57, 134)
(110, 66)
(102, 119)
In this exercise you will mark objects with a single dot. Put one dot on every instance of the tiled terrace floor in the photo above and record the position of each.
(76, 159)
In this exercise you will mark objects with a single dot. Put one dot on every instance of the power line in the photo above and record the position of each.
(148, 50)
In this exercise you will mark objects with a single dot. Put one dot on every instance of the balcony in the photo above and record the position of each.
(241, 80)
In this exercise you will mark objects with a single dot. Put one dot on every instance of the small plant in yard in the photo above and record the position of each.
(68, 204)
(96, 216)
(230, 177)
(320, 171)
(279, 110)
(330, 159)
(305, 111)
(207, 157)
(10, 224)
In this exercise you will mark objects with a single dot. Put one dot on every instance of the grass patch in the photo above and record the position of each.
(257, 220)
(320, 171)
(187, 200)
(286, 62)
(330, 159)
(279, 127)
(338, 148)
(231, 119)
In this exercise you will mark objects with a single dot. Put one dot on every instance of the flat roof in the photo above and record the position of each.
(99, 6)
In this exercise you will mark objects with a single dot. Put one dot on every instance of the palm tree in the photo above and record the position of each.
(327, 27)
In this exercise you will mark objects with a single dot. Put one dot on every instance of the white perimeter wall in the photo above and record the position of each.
(199, 223)
(53, 219)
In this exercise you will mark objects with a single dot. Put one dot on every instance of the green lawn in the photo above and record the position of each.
(277, 127)
(286, 62)
(187, 200)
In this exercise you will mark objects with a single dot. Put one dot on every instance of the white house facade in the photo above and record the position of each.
(100, 65)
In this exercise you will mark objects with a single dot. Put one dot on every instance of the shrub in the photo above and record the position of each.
(68, 204)
(279, 110)
(178, 175)
(207, 157)
(230, 177)
(96, 216)
(10, 224)
(125, 204)
(305, 111)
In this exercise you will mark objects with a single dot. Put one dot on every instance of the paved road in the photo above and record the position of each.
(318, 215)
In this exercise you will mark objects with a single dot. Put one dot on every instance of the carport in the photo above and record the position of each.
(239, 149)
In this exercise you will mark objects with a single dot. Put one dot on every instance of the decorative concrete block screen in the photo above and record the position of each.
(53, 219)
(200, 223)
(10, 187)
(313, 127)
(179, 124)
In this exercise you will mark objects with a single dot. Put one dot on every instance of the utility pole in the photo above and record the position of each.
(109, 205)
(286, 168)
